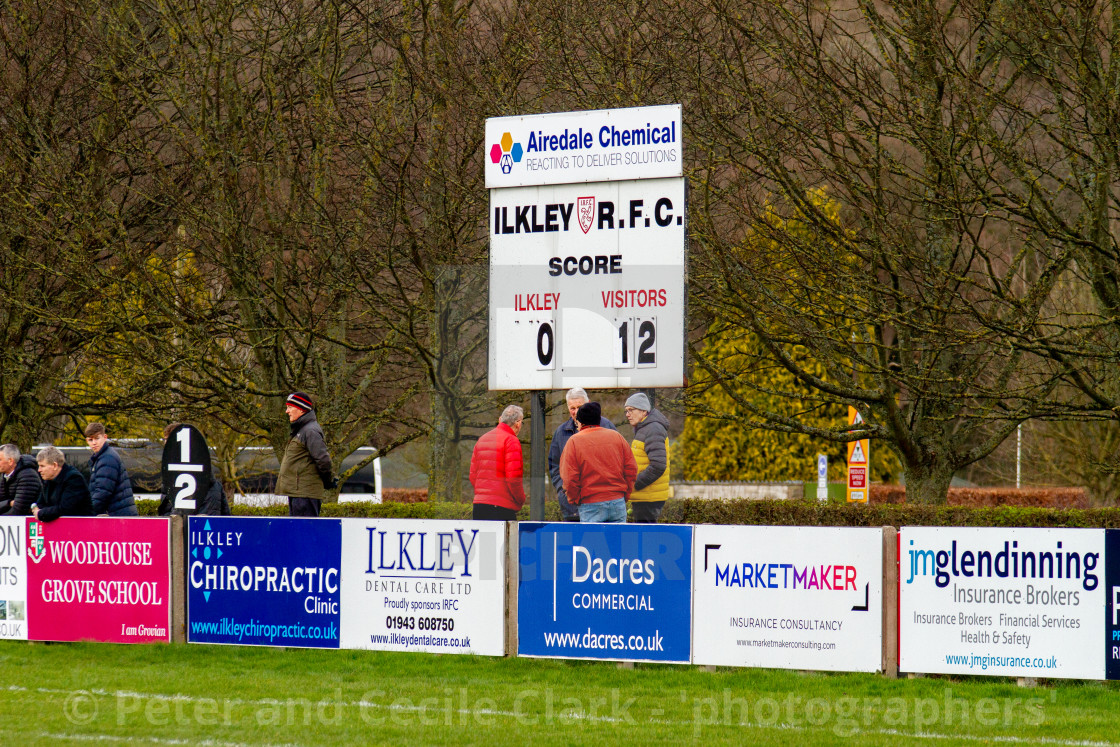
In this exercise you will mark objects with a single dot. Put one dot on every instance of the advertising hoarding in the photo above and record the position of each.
(587, 285)
(421, 585)
(263, 582)
(1002, 601)
(99, 579)
(13, 578)
(604, 591)
(1112, 604)
(788, 597)
(589, 146)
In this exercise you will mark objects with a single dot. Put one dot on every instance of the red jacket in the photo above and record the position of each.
(597, 465)
(496, 469)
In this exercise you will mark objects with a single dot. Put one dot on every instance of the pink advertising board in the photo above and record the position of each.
(99, 579)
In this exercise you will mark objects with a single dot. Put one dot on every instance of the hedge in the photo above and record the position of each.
(1004, 496)
(774, 513)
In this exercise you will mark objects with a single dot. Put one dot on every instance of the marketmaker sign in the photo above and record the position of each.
(587, 285)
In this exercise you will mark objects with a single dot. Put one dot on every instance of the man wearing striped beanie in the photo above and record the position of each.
(305, 469)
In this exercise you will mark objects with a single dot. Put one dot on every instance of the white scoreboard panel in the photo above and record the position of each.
(587, 285)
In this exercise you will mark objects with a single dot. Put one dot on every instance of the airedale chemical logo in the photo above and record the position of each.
(36, 547)
(506, 153)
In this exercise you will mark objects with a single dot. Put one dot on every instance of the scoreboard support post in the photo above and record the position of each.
(537, 468)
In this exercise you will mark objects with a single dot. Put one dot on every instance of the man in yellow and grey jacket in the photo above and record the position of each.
(651, 430)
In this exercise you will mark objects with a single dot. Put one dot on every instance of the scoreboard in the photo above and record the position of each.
(587, 279)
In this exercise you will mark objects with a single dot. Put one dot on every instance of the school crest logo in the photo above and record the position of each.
(36, 546)
(585, 209)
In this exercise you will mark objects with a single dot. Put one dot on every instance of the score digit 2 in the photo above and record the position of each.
(645, 350)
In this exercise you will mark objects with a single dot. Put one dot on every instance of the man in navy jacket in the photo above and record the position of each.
(65, 492)
(110, 487)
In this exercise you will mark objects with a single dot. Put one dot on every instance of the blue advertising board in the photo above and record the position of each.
(605, 591)
(263, 582)
(1112, 603)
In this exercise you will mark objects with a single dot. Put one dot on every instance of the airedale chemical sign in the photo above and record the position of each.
(999, 601)
(590, 146)
(788, 597)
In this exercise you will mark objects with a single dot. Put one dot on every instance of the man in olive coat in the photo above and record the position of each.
(305, 469)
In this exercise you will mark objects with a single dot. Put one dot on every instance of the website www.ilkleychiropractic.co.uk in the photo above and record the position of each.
(295, 632)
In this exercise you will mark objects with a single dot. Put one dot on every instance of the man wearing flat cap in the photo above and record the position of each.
(305, 469)
(598, 469)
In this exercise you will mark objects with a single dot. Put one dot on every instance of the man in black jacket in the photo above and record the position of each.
(65, 492)
(20, 484)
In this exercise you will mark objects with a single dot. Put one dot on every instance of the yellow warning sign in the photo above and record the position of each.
(859, 454)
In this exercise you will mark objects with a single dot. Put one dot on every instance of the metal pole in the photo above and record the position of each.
(537, 476)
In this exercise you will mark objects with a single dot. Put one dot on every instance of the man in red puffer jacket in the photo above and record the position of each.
(496, 470)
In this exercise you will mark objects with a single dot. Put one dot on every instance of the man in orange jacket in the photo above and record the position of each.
(598, 469)
(496, 469)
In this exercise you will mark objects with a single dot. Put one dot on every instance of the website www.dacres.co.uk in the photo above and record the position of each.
(588, 639)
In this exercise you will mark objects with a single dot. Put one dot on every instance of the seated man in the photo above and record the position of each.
(65, 492)
(19, 482)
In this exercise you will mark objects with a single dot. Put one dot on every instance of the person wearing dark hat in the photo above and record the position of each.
(598, 469)
(575, 398)
(651, 429)
(305, 469)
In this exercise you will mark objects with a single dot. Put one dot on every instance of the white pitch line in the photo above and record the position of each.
(134, 740)
(1002, 739)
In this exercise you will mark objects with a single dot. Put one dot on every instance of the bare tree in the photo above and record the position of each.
(88, 186)
(870, 126)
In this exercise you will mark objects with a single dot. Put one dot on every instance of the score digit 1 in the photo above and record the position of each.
(545, 344)
(624, 342)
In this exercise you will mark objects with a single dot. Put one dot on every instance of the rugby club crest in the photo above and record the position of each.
(585, 208)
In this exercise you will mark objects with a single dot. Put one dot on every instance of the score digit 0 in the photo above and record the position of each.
(546, 345)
